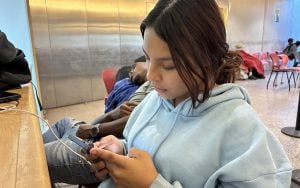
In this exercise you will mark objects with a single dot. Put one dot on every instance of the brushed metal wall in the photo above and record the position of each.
(75, 39)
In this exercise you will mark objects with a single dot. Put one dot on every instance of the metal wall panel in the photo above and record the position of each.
(37, 7)
(131, 15)
(76, 39)
(41, 43)
(69, 47)
(104, 40)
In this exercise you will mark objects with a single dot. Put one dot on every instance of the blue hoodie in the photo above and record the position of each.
(222, 143)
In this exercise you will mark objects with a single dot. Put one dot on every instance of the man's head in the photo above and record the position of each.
(290, 41)
(297, 43)
(138, 72)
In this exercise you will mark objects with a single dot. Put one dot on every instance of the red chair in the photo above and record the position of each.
(284, 59)
(265, 60)
(109, 78)
(277, 67)
(284, 62)
(264, 57)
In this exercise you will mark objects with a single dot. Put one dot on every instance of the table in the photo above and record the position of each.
(22, 155)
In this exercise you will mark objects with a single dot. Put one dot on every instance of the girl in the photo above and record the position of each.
(197, 129)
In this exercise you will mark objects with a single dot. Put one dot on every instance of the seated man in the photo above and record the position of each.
(63, 165)
(125, 87)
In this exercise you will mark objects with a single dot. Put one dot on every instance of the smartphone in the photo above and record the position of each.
(83, 144)
(7, 96)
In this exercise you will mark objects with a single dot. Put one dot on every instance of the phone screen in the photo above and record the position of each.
(7, 96)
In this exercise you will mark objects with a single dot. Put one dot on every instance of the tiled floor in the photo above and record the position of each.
(276, 106)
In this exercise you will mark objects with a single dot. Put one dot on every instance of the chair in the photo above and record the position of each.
(109, 78)
(277, 67)
(284, 61)
(284, 58)
(265, 60)
(296, 69)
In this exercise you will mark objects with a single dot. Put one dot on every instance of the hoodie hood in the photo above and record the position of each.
(220, 94)
(155, 108)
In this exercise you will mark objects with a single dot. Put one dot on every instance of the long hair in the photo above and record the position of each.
(195, 34)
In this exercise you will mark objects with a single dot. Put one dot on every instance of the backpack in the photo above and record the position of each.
(14, 68)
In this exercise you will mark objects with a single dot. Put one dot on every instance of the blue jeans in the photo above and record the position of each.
(63, 165)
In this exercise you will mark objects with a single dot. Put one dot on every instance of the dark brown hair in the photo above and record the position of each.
(140, 59)
(195, 34)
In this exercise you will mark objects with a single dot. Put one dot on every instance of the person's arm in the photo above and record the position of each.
(114, 127)
(102, 118)
(123, 110)
(111, 123)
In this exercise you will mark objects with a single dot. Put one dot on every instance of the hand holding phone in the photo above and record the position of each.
(84, 145)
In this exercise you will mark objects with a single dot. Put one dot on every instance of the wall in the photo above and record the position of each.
(296, 20)
(245, 24)
(276, 34)
(251, 24)
(76, 39)
(14, 23)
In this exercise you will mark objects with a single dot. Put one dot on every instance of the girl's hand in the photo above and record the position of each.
(134, 170)
(110, 143)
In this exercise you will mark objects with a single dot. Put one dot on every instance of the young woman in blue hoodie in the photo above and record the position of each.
(197, 129)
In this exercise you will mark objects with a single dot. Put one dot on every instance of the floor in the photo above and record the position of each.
(276, 106)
